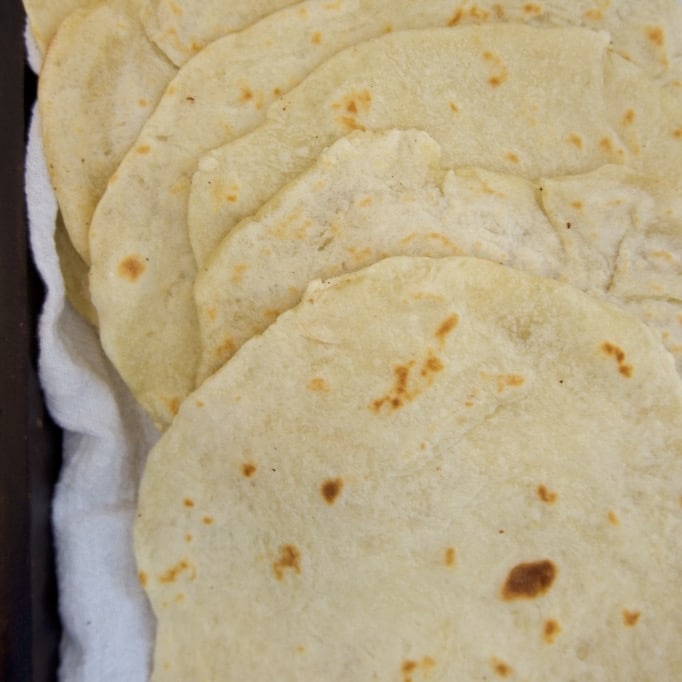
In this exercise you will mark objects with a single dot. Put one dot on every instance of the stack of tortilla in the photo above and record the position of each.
(401, 282)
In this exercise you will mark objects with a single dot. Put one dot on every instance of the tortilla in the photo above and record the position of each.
(45, 16)
(182, 28)
(75, 274)
(503, 98)
(433, 469)
(373, 195)
(100, 81)
(143, 269)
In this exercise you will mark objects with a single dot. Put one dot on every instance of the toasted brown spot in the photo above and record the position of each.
(619, 355)
(478, 13)
(175, 9)
(318, 384)
(316, 38)
(289, 558)
(594, 14)
(351, 123)
(448, 324)
(232, 198)
(677, 133)
(248, 469)
(171, 575)
(143, 578)
(143, 149)
(613, 519)
(331, 489)
(238, 273)
(655, 35)
(510, 156)
(143, 102)
(456, 18)
(431, 365)
(277, 92)
(189, 537)
(173, 405)
(630, 618)
(501, 668)
(576, 140)
(546, 495)
(188, 503)
(628, 117)
(530, 8)
(226, 348)
(207, 520)
(454, 107)
(497, 80)
(450, 556)
(388, 28)
(246, 94)
(529, 580)
(606, 144)
(409, 666)
(509, 380)
(551, 631)
(131, 268)
(577, 204)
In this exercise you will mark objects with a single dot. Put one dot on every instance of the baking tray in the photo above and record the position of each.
(30, 444)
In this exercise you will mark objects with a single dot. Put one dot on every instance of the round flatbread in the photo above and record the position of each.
(432, 469)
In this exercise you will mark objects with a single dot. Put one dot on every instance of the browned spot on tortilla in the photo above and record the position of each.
(246, 94)
(143, 578)
(172, 574)
(388, 28)
(367, 201)
(143, 102)
(630, 618)
(532, 9)
(316, 38)
(277, 92)
(501, 668)
(143, 149)
(189, 537)
(594, 14)
(226, 348)
(497, 80)
(577, 204)
(478, 13)
(211, 313)
(175, 9)
(406, 386)
(351, 123)
(318, 384)
(173, 404)
(456, 18)
(289, 558)
(529, 580)
(207, 520)
(628, 117)
(510, 156)
(238, 272)
(614, 351)
(450, 556)
(446, 326)
(131, 268)
(606, 144)
(551, 631)
(613, 519)
(509, 380)
(677, 133)
(546, 495)
(188, 503)
(454, 107)
(655, 35)
(331, 489)
(248, 469)
(576, 140)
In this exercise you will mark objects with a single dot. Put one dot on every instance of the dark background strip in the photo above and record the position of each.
(30, 445)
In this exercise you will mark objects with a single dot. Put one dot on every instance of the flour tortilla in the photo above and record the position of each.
(45, 16)
(100, 82)
(433, 469)
(509, 98)
(373, 195)
(148, 320)
(182, 28)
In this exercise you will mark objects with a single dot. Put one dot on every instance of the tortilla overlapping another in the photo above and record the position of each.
(101, 80)
(45, 16)
(372, 195)
(501, 96)
(431, 469)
